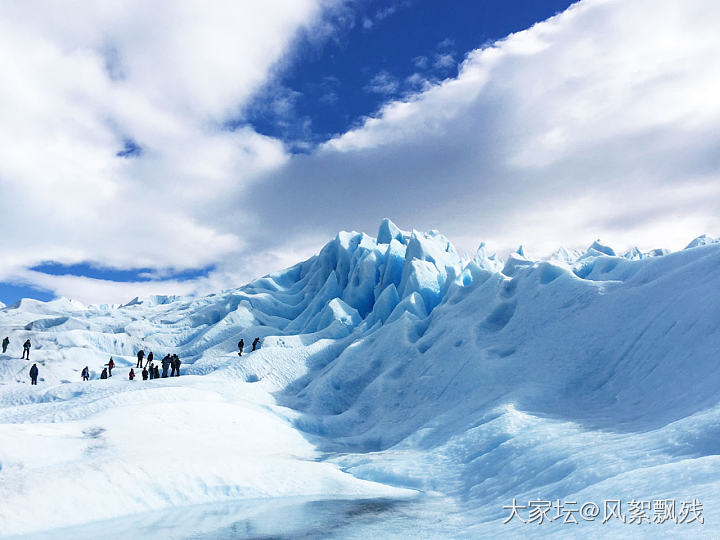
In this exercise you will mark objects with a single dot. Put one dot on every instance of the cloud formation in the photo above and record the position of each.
(383, 83)
(601, 121)
(112, 146)
(596, 122)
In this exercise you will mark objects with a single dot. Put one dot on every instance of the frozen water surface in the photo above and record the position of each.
(291, 518)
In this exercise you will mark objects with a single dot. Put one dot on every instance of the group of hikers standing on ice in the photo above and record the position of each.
(150, 370)
(241, 345)
(26, 347)
(25, 356)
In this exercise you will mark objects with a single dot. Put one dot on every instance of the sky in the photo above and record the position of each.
(168, 148)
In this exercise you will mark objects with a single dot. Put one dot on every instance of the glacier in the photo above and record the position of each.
(401, 388)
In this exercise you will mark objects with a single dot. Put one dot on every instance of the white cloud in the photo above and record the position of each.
(417, 82)
(233, 271)
(80, 78)
(185, 56)
(420, 62)
(598, 122)
(444, 61)
(382, 14)
(383, 83)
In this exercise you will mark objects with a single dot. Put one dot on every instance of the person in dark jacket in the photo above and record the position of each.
(26, 349)
(255, 343)
(156, 371)
(166, 364)
(175, 365)
(131, 375)
(33, 374)
(151, 370)
(103, 375)
(140, 356)
(85, 374)
(145, 374)
(5, 344)
(110, 365)
(241, 346)
(150, 357)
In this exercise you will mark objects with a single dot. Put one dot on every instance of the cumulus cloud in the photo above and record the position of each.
(601, 121)
(420, 62)
(232, 271)
(383, 83)
(444, 61)
(112, 145)
(382, 14)
(596, 122)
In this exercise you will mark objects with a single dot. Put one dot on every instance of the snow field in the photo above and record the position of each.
(387, 367)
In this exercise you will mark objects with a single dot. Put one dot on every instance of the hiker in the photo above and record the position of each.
(151, 370)
(165, 364)
(145, 374)
(26, 349)
(140, 355)
(149, 358)
(131, 375)
(156, 371)
(110, 365)
(241, 346)
(175, 365)
(5, 344)
(33, 374)
(103, 375)
(255, 343)
(85, 374)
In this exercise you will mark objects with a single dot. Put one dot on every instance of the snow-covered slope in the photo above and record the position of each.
(390, 368)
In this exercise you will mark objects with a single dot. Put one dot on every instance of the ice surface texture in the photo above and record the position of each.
(387, 367)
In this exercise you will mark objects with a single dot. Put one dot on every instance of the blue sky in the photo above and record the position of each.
(371, 58)
(12, 292)
(172, 148)
(329, 84)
